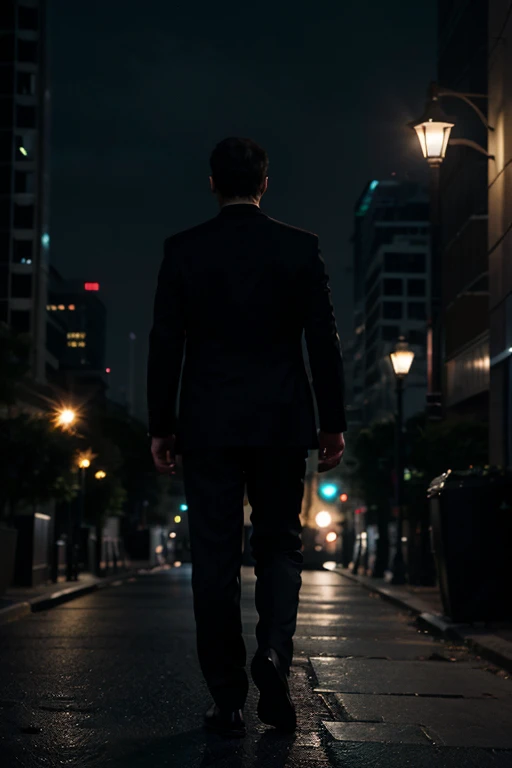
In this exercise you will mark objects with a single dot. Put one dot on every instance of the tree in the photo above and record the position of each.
(36, 462)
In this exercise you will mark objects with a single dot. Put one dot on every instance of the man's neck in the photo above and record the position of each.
(240, 201)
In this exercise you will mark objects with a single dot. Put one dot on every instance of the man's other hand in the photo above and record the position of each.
(330, 452)
(164, 455)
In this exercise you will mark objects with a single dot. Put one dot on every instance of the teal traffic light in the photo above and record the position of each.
(183, 507)
(328, 491)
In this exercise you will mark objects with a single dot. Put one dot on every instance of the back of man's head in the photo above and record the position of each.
(239, 168)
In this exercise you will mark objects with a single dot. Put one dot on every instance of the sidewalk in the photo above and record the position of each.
(491, 642)
(20, 601)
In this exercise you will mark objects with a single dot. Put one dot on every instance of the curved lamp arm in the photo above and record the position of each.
(470, 143)
(466, 97)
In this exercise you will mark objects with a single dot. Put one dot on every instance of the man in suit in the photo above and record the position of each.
(236, 294)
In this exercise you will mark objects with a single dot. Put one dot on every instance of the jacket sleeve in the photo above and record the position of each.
(323, 344)
(166, 346)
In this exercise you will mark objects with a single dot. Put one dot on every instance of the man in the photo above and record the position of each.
(240, 290)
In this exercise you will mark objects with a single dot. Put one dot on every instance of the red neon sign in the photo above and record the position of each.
(92, 286)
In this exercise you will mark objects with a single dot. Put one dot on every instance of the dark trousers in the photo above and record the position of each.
(215, 480)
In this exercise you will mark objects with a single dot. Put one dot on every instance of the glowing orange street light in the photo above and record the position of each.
(343, 497)
(65, 417)
(331, 536)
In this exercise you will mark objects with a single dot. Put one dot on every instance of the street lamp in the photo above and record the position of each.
(433, 130)
(65, 417)
(401, 360)
(83, 461)
(100, 475)
(323, 519)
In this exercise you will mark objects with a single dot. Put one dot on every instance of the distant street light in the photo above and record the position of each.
(401, 360)
(177, 519)
(331, 536)
(323, 519)
(65, 417)
(84, 463)
(100, 475)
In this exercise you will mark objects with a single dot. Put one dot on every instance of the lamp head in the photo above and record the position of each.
(433, 129)
(401, 358)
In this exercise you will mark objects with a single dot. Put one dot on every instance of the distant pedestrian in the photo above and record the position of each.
(238, 291)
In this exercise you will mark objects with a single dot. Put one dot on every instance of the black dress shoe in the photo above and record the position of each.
(275, 706)
(225, 722)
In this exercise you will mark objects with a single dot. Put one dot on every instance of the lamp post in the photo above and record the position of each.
(83, 461)
(64, 418)
(401, 360)
(433, 129)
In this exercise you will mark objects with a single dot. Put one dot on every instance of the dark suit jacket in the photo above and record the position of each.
(235, 294)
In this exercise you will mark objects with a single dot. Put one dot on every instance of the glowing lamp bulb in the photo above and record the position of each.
(66, 417)
(323, 519)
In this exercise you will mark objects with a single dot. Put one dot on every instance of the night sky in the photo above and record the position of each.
(142, 91)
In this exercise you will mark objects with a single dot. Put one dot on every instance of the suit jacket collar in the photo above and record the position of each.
(241, 209)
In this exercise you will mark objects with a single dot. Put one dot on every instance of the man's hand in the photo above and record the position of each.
(330, 453)
(164, 455)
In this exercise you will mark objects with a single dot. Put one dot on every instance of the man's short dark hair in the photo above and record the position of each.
(239, 168)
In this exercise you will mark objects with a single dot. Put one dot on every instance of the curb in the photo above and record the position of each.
(489, 646)
(14, 612)
(46, 602)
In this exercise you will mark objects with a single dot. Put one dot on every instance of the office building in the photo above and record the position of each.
(462, 66)
(76, 333)
(24, 163)
(391, 294)
(500, 231)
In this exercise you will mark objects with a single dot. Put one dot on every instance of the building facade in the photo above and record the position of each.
(462, 67)
(500, 230)
(391, 294)
(24, 173)
(76, 336)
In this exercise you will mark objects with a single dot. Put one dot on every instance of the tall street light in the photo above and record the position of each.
(433, 129)
(83, 461)
(401, 360)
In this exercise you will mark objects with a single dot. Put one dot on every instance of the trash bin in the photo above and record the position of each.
(471, 536)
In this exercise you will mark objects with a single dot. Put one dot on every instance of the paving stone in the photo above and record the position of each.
(387, 733)
(450, 722)
(319, 645)
(408, 677)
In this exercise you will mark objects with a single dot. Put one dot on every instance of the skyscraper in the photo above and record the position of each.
(391, 293)
(24, 162)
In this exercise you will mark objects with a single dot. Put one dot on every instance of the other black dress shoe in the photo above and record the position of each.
(225, 722)
(275, 706)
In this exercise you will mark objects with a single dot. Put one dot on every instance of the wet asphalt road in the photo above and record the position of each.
(111, 679)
